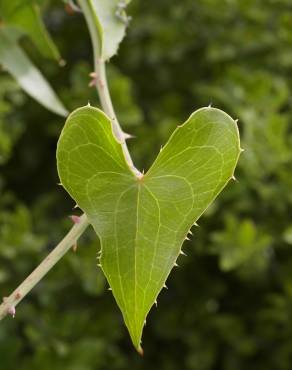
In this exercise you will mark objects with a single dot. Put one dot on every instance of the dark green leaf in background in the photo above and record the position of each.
(26, 17)
(16, 62)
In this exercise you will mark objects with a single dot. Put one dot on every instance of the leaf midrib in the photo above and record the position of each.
(135, 256)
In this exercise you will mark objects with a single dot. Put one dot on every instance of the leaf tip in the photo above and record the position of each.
(140, 351)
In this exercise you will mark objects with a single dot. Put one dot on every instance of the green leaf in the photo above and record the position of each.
(26, 16)
(15, 61)
(143, 222)
(110, 21)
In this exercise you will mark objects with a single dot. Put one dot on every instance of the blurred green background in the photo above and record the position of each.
(229, 306)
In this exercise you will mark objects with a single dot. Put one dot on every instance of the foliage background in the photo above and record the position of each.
(229, 305)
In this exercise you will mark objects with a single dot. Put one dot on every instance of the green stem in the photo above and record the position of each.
(9, 303)
(101, 80)
(58, 252)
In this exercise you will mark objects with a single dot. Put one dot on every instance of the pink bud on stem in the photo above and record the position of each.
(75, 219)
(11, 311)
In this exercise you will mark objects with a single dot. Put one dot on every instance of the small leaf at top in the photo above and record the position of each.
(143, 222)
(111, 21)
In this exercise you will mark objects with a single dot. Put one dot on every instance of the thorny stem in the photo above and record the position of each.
(103, 92)
(101, 80)
(45, 266)
(9, 303)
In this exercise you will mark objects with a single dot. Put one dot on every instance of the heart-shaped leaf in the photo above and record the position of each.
(143, 222)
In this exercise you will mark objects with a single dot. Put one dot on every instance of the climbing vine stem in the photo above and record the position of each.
(9, 303)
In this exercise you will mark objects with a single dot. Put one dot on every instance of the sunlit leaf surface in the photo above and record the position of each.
(143, 222)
